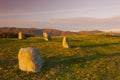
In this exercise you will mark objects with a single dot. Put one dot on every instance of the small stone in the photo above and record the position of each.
(0, 68)
(77, 71)
(47, 76)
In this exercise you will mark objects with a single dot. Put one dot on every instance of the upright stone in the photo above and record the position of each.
(65, 42)
(29, 59)
(46, 36)
(20, 35)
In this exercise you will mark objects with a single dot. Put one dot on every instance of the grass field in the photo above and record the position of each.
(91, 57)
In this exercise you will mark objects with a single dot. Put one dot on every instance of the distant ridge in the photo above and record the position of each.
(91, 32)
(38, 32)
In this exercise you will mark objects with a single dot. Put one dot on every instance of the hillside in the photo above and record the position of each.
(35, 31)
(91, 57)
(38, 32)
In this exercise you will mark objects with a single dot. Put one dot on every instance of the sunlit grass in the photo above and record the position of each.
(91, 57)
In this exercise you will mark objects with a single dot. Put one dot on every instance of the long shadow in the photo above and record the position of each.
(97, 45)
(112, 36)
(6, 41)
(76, 40)
(6, 63)
(60, 60)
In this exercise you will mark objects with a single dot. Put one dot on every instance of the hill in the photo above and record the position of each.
(38, 32)
(35, 31)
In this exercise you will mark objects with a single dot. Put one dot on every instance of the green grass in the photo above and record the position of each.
(91, 57)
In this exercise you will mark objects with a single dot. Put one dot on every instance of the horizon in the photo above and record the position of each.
(113, 30)
(69, 15)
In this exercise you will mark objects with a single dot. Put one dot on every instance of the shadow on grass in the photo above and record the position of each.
(7, 63)
(96, 45)
(113, 35)
(60, 60)
(76, 40)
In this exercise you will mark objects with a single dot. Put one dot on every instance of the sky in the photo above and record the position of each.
(61, 14)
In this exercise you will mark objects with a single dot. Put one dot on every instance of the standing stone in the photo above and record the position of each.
(29, 59)
(20, 35)
(66, 42)
(46, 36)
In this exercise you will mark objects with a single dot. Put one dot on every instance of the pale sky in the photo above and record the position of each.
(39, 13)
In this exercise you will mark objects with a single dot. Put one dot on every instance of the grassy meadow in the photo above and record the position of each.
(91, 57)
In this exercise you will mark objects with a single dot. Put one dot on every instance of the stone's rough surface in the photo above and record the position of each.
(46, 36)
(66, 42)
(29, 59)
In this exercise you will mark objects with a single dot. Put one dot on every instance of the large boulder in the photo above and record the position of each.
(46, 36)
(66, 42)
(29, 59)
